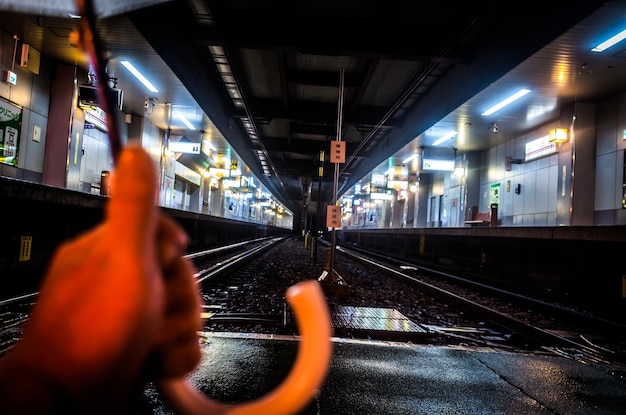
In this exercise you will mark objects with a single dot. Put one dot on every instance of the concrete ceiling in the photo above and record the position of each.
(273, 80)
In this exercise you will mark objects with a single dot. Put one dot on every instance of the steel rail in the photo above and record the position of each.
(548, 340)
(234, 262)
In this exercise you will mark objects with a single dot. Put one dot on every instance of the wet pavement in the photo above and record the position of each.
(376, 377)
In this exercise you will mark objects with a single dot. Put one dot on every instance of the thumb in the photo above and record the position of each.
(132, 208)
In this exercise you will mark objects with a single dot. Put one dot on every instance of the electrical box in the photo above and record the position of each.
(88, 96)
(30, 58)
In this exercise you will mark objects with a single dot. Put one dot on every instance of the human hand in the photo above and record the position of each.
(113, 299)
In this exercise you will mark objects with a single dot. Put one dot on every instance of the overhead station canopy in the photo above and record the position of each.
(64, 7)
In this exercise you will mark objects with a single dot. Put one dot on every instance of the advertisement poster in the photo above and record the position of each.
(494, 193)
(10, 121)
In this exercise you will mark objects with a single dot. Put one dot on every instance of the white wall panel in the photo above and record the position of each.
(553, 187)
(506, 197)
(619, 179)
(32, 151)
(540, 219)
(529, 192)
(541, 189)
(518, 199)
(606, 126)
(605, 179)
(621, 122)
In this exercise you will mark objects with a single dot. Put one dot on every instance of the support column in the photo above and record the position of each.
(583, 165)
(575, 201)
(425, 182)
(59, 127)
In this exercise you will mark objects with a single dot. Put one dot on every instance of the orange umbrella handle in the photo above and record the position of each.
(305, 378)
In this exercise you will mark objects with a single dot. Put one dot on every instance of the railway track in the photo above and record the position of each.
(243, 287)
(467, 312)
(502, 318)
(210, 264)
(14, 313)
(542, 325)
(215, 262)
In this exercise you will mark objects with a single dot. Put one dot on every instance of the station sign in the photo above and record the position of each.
(539, 148)
(436, 164)
(184, 147)
(96, 118)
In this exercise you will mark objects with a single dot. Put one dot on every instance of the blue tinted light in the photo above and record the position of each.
(507, 101)
(610, 42)
(139, 76)
(445, 137)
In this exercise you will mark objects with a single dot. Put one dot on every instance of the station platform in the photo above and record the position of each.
(397, 378)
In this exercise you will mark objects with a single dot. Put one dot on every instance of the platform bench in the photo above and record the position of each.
(480, 219)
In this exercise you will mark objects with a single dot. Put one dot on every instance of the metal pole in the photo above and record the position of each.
(318, 225)
(333, 240)
(90, 42)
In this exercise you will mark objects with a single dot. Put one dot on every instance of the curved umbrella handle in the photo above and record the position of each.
(304, 379)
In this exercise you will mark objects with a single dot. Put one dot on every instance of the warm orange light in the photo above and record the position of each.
(558, 135)
(300, 385)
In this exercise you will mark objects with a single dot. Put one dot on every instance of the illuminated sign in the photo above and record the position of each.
(95, 117)
(434, 164)
(539, 148)
(12, 77)
(397, 184)
(184, 147)
(381, 196)
(215, 172)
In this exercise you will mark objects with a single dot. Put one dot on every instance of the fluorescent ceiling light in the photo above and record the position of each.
(445, 137)
(406, 160)
(185, 121)
(610, 42)
(507, 101)
(139, 76)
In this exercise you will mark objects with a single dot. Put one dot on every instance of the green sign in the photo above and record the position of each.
(10, 122)
(494, 193)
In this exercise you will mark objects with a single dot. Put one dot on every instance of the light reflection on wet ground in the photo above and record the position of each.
(376, 377)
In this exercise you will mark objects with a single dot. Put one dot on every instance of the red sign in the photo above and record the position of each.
(337, 151)
(333, 216)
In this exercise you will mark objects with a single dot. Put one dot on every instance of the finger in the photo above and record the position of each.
(132, 209)
(65, 260)
(182, 301)
(178, 342)
(172, 242)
